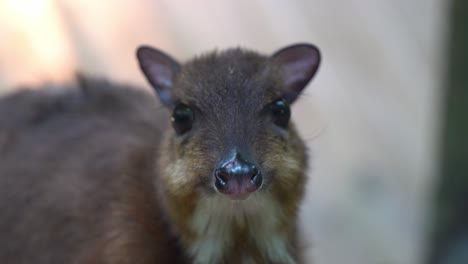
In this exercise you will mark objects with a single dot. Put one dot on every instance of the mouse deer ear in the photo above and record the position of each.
(299, 63)
(160, 70)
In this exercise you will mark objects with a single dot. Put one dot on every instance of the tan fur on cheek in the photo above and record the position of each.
(180, 185)
(286, 182)
(285, 162)
(186, 168)
(175, 176)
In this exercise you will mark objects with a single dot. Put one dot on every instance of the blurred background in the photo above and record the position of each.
(372, 117)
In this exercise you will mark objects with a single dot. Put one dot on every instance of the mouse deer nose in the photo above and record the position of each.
(237, 178)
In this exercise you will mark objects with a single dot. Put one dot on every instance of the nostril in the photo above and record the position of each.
(256, 179)
(254, 173)
(221, 179)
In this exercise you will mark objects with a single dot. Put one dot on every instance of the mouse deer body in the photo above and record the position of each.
(90, 176)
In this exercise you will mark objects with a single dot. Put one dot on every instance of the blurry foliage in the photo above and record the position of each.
(450, 237)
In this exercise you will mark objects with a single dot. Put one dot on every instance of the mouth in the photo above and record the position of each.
(239, 197)
(235, 195)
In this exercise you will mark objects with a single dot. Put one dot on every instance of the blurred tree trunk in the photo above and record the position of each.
(450, 233)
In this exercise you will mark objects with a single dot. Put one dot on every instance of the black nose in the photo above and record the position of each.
(237, 177)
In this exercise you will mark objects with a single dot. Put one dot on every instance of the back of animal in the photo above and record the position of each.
(65, 157)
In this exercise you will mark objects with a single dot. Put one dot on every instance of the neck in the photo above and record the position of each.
(219, 230)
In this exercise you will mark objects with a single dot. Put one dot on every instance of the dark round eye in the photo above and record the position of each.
(280, 112)
(182, 118)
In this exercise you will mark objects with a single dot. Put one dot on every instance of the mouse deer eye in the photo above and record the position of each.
(182, 118)
(280, 112)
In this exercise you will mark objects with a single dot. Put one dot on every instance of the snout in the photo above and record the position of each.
(237, 178)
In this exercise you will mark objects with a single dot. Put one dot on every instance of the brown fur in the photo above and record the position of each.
(228, 90)
(75, 172)
(89, 176)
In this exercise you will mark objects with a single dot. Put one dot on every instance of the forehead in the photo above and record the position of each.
(233, 78)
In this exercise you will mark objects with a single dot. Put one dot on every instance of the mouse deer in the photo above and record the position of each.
(100, 173)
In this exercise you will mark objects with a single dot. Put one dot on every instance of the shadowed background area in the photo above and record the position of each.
(370, 116)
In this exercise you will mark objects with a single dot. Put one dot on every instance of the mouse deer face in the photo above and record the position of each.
(230, 111)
